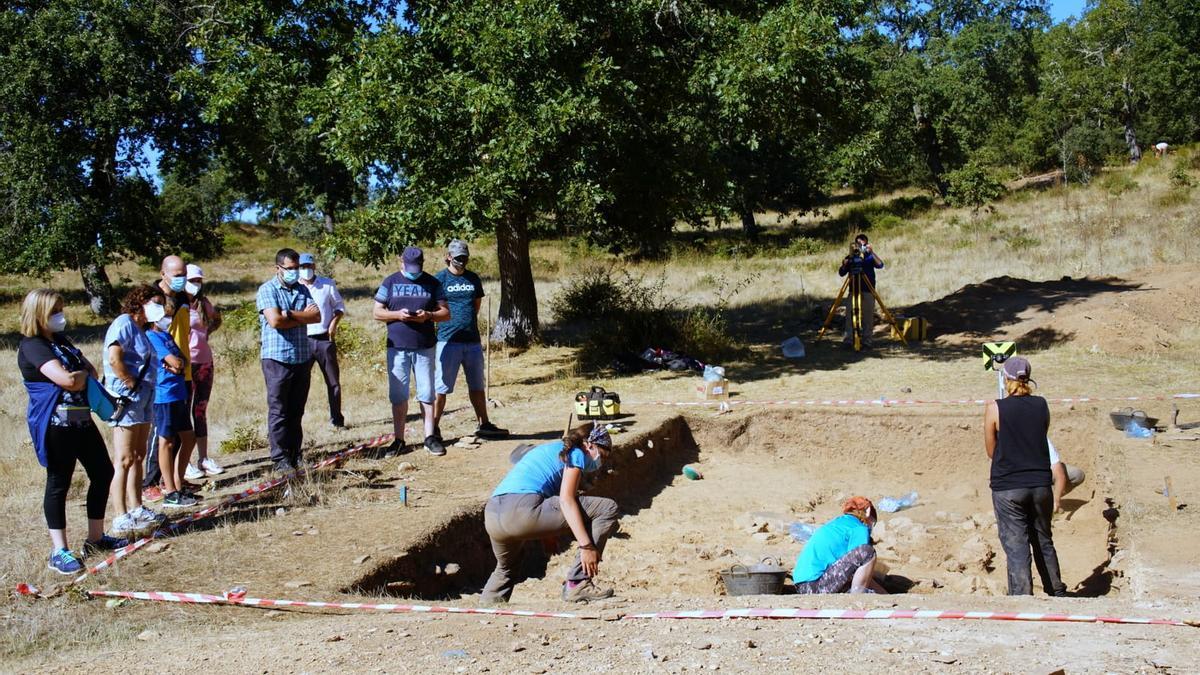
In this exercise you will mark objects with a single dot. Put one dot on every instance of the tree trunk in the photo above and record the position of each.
(517, 324)
(749, 226)
(927, 140)
(97, 285)
(1128, 119)
(329, 221)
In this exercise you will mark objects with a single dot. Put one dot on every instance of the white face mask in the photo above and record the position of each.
(154, 312)
(192, 289)
(57, 323)
(164, 324)
(307, 274)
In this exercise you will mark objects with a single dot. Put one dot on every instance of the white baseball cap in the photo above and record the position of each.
(194, 272)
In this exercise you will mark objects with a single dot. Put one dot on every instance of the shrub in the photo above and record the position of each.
(1180, 178)
(1117, 183)
(244, 317)
(244, 438)
(356, 344)
(1175, 197)
(801, 246)
(972, 186)
(1083, 151)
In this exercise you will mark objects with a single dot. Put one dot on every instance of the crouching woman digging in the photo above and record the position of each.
(839, 556)
(539, 499)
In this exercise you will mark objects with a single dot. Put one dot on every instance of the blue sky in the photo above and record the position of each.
(1061, 10)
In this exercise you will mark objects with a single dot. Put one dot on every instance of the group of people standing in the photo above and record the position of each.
(156, 359)
(432, 333)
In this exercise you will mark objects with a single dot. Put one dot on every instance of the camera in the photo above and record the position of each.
(862, 249)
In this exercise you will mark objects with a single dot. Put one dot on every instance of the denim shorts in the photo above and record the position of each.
(450, 355)
(172, 418)
(402, 362)
(141, 407)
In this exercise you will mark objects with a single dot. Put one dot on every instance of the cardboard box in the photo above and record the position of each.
(713, 390)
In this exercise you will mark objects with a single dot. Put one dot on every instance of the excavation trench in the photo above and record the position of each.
(763, 471)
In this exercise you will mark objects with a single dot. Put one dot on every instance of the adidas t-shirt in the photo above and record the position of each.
(461, 291)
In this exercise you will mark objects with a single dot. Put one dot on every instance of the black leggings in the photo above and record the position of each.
(65, 445)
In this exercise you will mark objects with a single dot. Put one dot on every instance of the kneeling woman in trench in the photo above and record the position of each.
(839, 556)
(538, 499)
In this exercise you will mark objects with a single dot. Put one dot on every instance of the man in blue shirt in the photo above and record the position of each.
(409, 301)
(458, 340)
(285, 308)
(868, 262)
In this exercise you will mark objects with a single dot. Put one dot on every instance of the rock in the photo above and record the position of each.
(263, 535)
(274, 614)
(751, 644)
(334, 638)
(298, 533)
(638, 453)
(404, 467)
(941, 515)
(280, 511)
(362, 559)
(517, 647)
(880, 531)
(915, 560)
(147, 635)
(312, 532)
(297, 584)
(968, 525)
(451, 568)
(763, 537)
(899, 522)
(703, 645)
(158, 547)
(950, 564)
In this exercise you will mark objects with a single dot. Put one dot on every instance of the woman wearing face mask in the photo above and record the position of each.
(205, 319)
(128, 371)
(538, 499)
(61, 426)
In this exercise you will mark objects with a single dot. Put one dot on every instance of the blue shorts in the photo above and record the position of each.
(450, 355)
(172, 418)
(402, 362)
(141, 407)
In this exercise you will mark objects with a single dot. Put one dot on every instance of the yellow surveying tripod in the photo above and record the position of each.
(855, 281)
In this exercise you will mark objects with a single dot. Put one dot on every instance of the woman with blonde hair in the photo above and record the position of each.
(839, 556)
(1014, 436)
(60, 424)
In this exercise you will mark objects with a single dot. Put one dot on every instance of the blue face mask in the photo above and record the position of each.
(290, 277)
(410, 276)
(177, 283)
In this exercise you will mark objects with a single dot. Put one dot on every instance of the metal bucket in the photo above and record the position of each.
(1121, 418)
(765, 578)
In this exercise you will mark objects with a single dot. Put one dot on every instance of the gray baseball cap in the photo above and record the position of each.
(457, 248)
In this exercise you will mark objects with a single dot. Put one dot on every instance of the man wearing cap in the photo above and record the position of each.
(458, 340)
(1014, 432)
(322, 335)
(172, 281)
(869, 262)
(285, 309)
(409, 301)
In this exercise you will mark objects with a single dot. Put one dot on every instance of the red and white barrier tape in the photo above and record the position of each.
(891, 402)
(254, 490)
(752, 613)
(788, 613)
(387, 607)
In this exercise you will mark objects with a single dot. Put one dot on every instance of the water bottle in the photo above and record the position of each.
(801, 531)
(894, 504)
(1135, 430)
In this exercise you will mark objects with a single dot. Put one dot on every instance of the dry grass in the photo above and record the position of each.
(1107, 228)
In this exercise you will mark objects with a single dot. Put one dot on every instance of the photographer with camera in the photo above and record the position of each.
(861, 262)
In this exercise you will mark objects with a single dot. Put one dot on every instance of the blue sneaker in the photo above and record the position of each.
(64, 562)
(104, 543)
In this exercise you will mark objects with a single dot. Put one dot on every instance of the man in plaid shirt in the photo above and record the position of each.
(285, 308)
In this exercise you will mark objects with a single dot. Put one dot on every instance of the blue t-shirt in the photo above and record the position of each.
(461, 290)
(827, 545)
(398, 292)
(540, 471)
(171, 387)
(135, 347)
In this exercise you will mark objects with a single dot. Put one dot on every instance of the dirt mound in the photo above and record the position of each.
(1142, 312)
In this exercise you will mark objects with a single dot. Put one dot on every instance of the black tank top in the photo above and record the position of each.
(1022, 457)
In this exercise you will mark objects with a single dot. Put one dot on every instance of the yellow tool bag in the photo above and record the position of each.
(597, 403)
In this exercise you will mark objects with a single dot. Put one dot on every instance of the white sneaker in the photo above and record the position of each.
(211, 467)
(192, 473)
(143, 516)
(124, 524)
